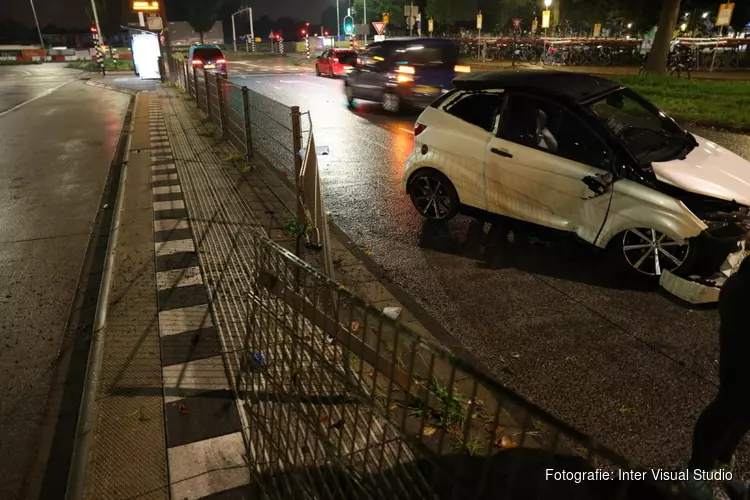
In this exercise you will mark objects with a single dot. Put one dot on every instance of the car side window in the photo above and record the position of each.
(374, 58)
(544, 125)
(477, 108)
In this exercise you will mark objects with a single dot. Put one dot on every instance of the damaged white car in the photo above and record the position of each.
(586, 155)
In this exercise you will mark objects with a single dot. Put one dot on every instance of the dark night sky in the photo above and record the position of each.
(72, 13)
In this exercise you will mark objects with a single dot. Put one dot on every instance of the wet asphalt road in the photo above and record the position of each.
(19, 84)
(55, 153)
(631, 367)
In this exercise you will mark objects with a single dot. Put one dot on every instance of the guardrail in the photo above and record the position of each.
(344, 401)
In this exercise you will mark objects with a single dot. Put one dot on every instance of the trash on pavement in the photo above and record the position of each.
(392, 312)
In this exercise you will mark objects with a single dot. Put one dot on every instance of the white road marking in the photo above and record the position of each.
(166, 280)
(277, 88)
(174, 321)
(174, 246)
(43, 94)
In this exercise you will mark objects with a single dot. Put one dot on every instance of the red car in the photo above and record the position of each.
(336, 62)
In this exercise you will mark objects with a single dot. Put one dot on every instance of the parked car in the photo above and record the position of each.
(336, 62)
(585, 155)
(401, 72)
(208, 57)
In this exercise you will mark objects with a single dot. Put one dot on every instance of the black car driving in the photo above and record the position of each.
(402, 72)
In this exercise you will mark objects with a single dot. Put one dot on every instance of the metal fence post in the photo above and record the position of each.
(195, 86)
(221, 105)
(207, 87)
(248, 124)
(297, 148)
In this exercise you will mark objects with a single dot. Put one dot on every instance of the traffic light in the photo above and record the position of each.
(93, 28)
(304, 31)
(348, 25)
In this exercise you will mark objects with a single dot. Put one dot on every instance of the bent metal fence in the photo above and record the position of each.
(343, 402)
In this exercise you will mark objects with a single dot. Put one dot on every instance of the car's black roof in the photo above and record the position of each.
(576, 87)
(404, 40)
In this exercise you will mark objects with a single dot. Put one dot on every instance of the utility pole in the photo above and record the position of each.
(38, 30)
(96, 20)
(165, 30)
(364, 20)
(338, 19)
(411, 19)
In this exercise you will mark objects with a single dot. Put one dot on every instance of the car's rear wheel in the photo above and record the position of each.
(330, 73)
(317, 70)
(391, 102)
(349, 95)
(648, 253)
(433, 195)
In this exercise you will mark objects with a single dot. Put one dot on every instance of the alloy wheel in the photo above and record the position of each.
(431, 197)
(651, 252)
(391, 103)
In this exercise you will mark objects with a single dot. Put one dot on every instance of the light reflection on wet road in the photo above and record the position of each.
(631, 367)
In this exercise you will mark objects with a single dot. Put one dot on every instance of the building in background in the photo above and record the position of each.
(184, 36)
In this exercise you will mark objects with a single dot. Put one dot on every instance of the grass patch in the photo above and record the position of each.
(19, 63)
(710, 102)
(109, 65)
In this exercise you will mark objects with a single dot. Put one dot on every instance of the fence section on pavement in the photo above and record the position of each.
(343, 401)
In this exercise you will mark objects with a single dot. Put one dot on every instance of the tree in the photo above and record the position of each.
(657, 57)
(202, 14)
(375, 9)
(328, 19)
(450, 11)
(496, 15)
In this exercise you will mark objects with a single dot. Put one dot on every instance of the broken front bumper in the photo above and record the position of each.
(703, 290)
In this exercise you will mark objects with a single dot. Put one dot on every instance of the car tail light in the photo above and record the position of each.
(404, 79)
(462, 69)
(419, 128)
(197, 62)
(221, 61)
(406, 70)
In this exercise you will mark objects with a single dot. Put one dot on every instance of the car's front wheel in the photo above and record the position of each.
(648, 253)
(433, 195)
(391, 102)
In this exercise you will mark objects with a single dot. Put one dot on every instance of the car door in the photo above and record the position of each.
(366, 81)
(324, 61)
(460, 136)
(538, 165)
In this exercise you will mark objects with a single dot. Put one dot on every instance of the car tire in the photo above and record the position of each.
(317, 70)
(392, 102)
(433, 195)
(330, 73)
(349, 95)
(646, 253)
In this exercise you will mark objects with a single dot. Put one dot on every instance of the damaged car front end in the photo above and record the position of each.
(721, 247)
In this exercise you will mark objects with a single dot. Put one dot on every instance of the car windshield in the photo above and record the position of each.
(645, 131)
(347, 58)
(207, 54)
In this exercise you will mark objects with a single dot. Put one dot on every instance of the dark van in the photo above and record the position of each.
(208, 57)
(402, 72)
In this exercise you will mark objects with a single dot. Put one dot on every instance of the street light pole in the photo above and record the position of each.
(96, 20)
(38, 30)
(249, 11)
(364, 19)
(338, 19)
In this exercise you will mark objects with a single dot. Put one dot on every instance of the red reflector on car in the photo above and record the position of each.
(197, 62)
(419, 128)
(221, 61)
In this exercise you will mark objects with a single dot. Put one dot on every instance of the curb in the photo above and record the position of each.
(114, 88)
(86, 415)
